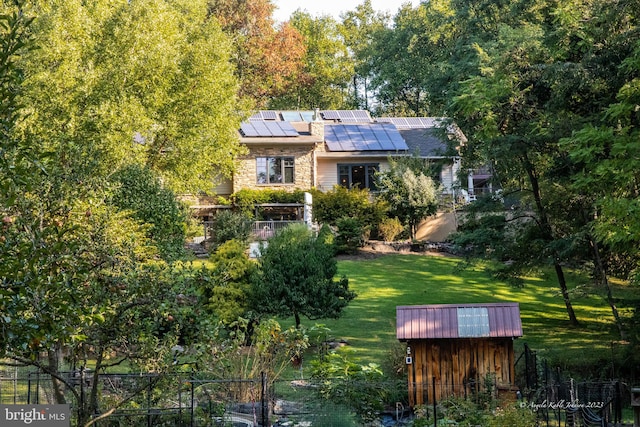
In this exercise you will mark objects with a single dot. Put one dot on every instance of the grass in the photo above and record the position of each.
(383, 283)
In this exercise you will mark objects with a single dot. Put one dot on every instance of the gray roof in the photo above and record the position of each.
(426, 142)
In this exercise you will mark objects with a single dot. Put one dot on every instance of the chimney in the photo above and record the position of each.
(316, 127)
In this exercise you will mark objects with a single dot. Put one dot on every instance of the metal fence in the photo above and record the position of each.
(560, 400)
(188, 400)
(194, 400)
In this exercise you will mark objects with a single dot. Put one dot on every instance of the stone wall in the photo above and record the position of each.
(246, 174)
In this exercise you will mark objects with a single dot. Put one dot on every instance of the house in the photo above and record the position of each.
(321, 149)
(452, 349)
(300, 150)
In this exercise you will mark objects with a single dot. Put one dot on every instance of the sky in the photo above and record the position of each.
(284, 8)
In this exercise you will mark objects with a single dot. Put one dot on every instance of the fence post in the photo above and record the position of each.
(149, 401)
(81, 404)
(28, 390)
(264, 400)
(435, 413)
(193, 393)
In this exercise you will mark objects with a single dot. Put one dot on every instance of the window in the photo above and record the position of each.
(275, 170)
(358, 175)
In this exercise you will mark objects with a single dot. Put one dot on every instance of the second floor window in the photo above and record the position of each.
(275, 170)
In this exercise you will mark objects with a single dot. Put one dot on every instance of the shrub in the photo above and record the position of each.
(246, 199)
(229, 225)
(350, 235)
(390, 228)
(340, 202)
(512, 416)
(359, 387)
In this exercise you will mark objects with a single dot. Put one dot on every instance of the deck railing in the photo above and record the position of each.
(260, 230)
(265, 229)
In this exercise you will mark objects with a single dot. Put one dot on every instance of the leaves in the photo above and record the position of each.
(108, 71)
(297, 277)
(409, 190)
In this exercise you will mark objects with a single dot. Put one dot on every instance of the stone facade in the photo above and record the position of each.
(304, 168)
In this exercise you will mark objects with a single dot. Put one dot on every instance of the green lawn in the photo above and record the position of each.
(368, 324)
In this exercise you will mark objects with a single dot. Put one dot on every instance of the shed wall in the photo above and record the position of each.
(459, 367)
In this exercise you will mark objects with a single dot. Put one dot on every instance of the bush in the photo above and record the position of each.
(229, 225)
(390, 228)
(512, 416)
(350, 235)
(246, 199)
(340, 202)
(359, 387)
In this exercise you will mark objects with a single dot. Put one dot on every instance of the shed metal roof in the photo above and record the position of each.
(458, 321)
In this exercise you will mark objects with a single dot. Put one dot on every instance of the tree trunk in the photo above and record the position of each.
(53, 358)
(297, 317)
(547, 234)
(601, 276)
(565, 294)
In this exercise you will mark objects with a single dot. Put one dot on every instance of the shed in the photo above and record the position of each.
(452, 349)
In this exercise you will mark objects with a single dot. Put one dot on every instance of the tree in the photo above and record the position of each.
(139, 191)
(296, 277)
(327, 69)
(539, 81)
(149, 83)
(226, 286)
(606, 168)
(410, 191)
(268, 60)
(78, 277)
(359, 29)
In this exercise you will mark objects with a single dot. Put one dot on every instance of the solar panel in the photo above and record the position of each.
(269, 115)
(412, 122)
(347, 116)
(473, 322)
(364, 137)
(264, 115)
(362, 114)
(267, 129)
(291, 116)
(330, 115)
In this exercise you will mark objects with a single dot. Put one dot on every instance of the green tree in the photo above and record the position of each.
(77, 276)
(543, 71)
(410, 191)
(328, 68)
(359, 29)
(153, 80)
(296, 277)
(138, 191)
(226, 286)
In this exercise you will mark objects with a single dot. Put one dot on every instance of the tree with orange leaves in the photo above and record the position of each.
(268, 57)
